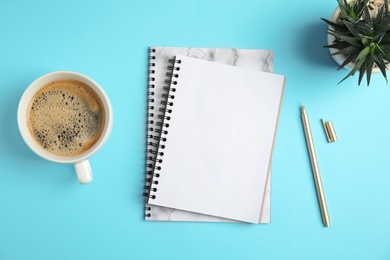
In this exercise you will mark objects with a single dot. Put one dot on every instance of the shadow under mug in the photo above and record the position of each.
(80, 161)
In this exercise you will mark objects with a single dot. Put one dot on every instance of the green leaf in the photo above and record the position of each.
(366, 28)
(369, 65)
(344, 7)
(381, 65)
(350, 58)
(380, 50)
(337, 26)
(383, 53)
(339, 45)
(363, 54)
(384, 17)
(352, 72)
(354, 41)
(356, 31)
(366, 40)
(378, 19)
(385, 39)
(378, 38)
(362, 70)
(347, 51)
(367, 17)
(362, 7)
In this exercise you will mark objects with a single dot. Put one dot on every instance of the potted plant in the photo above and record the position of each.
(359, 37)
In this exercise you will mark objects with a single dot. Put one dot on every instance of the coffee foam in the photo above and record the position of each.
(66, 117)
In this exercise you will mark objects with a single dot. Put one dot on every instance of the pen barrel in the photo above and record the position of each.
(315, 169)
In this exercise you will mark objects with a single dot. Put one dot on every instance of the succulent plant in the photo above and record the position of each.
(361, 38)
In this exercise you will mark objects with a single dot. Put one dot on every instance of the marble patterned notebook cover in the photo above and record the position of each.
(158, 62)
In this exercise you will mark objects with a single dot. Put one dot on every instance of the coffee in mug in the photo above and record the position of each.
(65, 117)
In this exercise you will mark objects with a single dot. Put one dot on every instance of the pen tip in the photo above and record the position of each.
(303, 108)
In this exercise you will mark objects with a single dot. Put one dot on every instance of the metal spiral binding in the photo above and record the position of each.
(165, 117)
(150, 126)
(157, 132)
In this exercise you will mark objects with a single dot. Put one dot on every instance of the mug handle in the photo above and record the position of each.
(83, 172)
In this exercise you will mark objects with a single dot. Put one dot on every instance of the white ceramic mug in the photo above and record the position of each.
(80, 161)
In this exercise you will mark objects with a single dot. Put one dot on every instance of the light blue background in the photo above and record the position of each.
(46, 214)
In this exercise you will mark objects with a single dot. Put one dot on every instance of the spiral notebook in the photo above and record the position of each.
(218, 132)
(158, 56)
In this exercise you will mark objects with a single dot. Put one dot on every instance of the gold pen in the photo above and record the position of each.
(314, 167)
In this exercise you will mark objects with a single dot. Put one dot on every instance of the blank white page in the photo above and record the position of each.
(218, 149)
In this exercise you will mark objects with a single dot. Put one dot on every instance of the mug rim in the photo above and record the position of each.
(29, 93)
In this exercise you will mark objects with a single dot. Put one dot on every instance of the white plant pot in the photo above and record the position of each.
(341, 58)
